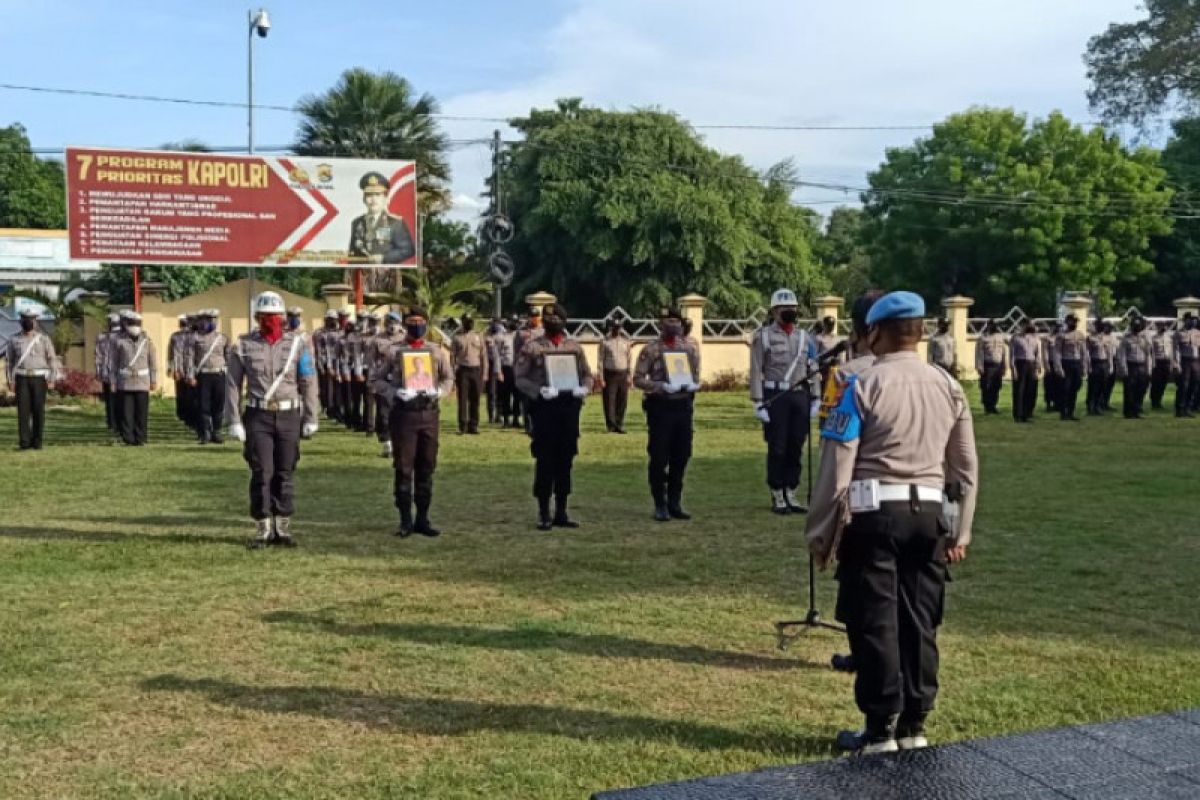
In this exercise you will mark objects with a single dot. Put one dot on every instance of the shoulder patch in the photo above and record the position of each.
(305, 368)
(843, 424)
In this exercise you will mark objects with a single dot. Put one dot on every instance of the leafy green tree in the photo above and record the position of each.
(842, 250)
(443, 298)
(69, 306)
(1141, 68)
(992, 207)
(181, 280)
(1177, 258)
(32, 191)
(632, 208)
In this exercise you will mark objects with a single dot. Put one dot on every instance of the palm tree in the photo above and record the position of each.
(69, 308)
(441, 299)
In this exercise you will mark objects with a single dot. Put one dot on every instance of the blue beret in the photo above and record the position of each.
(896, 305)
(394, 316)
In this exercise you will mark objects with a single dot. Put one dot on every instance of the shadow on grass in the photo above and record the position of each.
(600, 645)
(68, 535)
(442, 717)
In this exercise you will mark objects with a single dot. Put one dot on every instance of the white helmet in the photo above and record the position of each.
(784, 297)
(268, 303)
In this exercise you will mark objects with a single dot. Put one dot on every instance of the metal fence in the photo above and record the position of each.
(1015, 319)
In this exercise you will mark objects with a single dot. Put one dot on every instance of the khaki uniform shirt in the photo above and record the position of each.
(177, 350)
(915, 429)
(470, 350)
(1025, 347)
(443, 372)
(615, 352)
(1071, 346)
(1135, 348)
(773, 351)
(651, 373)
(256, 362)
(1187, 345)
(351, 358)
(1100, 351)
(134, 364)
(530, 369)
(501, 353)
(1163, 347)
(989, 349)
(943, 352)
(1049, 344)
(207, 354)
(35, 353)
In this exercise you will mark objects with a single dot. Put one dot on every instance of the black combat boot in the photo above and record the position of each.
(423, 526)
(561, 520)
(879, 736)
(406, 520)
(675, 504)
(545, 523)
(910, 731)
(659, 495)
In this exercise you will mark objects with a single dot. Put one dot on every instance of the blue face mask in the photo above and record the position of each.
(293, 323)
(416, 330)
(209, 327)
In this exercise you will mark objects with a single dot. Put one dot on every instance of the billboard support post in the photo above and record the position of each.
(137, 289)
(358, 291)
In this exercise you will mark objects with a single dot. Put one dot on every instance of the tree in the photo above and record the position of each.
(1177, 257)
(378, 115)
(1008, 213)
(181, 280)
(1140, 68)
(632, 208)
(842, 250)
(32, 191)
(442, 299)
(69, 306)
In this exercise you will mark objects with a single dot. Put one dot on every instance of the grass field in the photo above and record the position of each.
(144, 652)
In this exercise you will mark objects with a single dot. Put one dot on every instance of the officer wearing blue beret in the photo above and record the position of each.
(378, 237)
(898, 459)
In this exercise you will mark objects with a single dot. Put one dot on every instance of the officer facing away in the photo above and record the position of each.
(32, 368)
(783, 364)
(280, 379)
(890, 482)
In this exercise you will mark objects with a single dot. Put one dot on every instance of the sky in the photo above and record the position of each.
(759, 62)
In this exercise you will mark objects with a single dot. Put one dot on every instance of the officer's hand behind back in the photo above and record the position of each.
(238, 431)
(763, 415)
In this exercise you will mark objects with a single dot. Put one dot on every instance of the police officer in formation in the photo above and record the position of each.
(783, 368)
(1025, 355)
(379, 364)
(204, 373)
(274, 370)
(1133, 366)
(553, 414)
(943, 350)
(1187, 358)
(1100, 369)
(989, 363)
(135, 368)
(470, 353)
(369, 333)
(178, 346)
(352, 367)
(501, 359)
(341, 383)
(894, 550)
(32, 368)
(1052, 383)
(1165, 364)
(103, 360)
(324, 349)
(667, 401)
(615, 376)
(523, 334)
(414, 424)
(1071, 365)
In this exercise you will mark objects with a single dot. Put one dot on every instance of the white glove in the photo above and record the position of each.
(763, 416)
(238, 431)
(672, 388)
(549, 393)
(579, 392)
(308, 429)
(814, 408)
(692, 387)
(434, 393)
(407, 395)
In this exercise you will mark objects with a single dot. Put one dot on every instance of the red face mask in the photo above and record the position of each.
(271, 327)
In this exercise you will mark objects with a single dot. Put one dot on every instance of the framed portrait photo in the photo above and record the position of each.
(418, 370)
(679, 368)
(562, 371)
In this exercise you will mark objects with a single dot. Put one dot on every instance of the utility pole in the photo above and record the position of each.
(498, 230)
(497, 208)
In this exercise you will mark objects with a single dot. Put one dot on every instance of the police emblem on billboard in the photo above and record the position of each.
(324, 172)
(299, 175)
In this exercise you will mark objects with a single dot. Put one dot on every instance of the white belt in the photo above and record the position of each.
(212, 372)
(783, 385)
(897, 493)
(33, 373)
(135, 373)
(866, 496)
(273, 405)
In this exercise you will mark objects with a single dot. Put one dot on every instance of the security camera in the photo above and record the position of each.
(261, 23)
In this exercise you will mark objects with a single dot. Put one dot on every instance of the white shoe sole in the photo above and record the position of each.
(912, 743)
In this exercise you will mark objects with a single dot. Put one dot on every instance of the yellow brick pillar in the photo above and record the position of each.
(539, 299)
(692, 305)
(958, 310)
(158, 326)
(1187, 305)
(1080, 305)
(337, 296)
(829, 306)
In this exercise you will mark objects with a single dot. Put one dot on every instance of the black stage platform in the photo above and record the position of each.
(1147, 758)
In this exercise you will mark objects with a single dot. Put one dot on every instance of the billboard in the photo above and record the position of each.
(159, 207)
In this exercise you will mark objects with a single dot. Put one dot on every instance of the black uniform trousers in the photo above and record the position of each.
(368, 424)
(135, 415)
(351, 402)
(1024, 389)
(1187, 385)
(892, 583)
(110, 406)
(383, 414)
(785, 435)
(468, 383)
(210, 388)
(182, 412)
(272, 450)
(1137, 379)
(669, 422)
(1108, 389)
(507, 395)
(414, 429)
(616, 398)
(1072, 380)
(1160, 376)
(491, 388)
(1099, 377)
(989, 386)
(554, 445)
(31, 410)
(1052, 389)
(329, 396)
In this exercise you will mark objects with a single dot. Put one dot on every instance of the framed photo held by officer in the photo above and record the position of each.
(679, 367)
(418, 371)
(562, 371)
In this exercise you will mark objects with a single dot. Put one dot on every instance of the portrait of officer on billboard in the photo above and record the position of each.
(378, 237)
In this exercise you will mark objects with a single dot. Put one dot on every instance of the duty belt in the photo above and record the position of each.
(135, 373)
(782, 385)
(34, 373)
(901, 493)
(273, 405)
(212, 372)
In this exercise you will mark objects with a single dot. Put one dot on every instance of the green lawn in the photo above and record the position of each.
(144, 652)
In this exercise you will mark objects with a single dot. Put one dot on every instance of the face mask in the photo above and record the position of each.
(209, 327)
(554, 327)
(293, 323)
(416, 330)
(789, 316)
(26, 325)
(134, 330)
(468, 324)
(271, 327)
(672, 330)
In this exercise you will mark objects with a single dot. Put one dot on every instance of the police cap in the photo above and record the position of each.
(896, 305)
(557, 309)
(374, 182)
(670, 312)
(416, 311)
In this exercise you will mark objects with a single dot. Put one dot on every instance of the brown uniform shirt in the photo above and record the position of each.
(35, 353)
(1071, 346)
(530, 369)
(1135, 348)
(989, 349)
(470, 350)
(651, 373)
(1187, 345)
(943, 351)
(134, 364)
(615, 352)
(1163, 346)
(1100, 351)
(207, 354)
(915, 429)
(1025, 347)
(257, 362)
